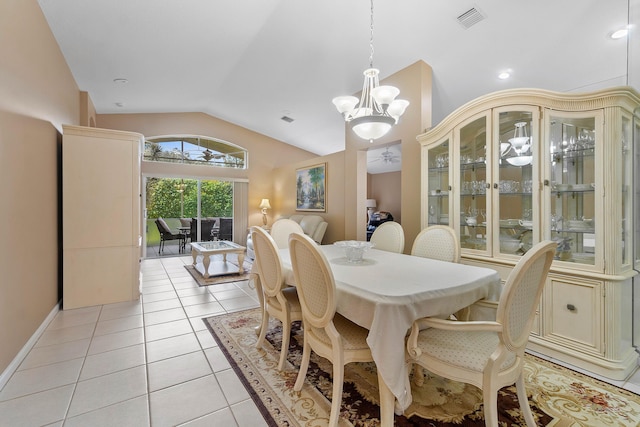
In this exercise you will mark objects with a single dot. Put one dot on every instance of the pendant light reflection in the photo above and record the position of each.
(520, 144)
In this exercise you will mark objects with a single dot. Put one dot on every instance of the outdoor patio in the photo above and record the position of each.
(170, 249)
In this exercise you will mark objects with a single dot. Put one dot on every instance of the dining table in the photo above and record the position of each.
(386, 292)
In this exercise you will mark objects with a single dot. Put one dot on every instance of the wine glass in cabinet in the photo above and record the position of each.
(473, 182)
(573, 215)
(438, 188)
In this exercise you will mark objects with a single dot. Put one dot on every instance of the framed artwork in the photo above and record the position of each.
(311, 184)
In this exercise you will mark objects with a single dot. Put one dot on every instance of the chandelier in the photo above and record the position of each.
(378, 110)
(520, 143)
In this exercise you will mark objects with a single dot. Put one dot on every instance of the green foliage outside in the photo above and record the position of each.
(165, 199)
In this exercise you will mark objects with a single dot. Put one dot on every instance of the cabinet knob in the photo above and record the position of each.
(571, 307)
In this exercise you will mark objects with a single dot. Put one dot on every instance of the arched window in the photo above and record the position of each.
(195, 150)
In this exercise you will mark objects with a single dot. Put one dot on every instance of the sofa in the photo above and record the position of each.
(313, 226)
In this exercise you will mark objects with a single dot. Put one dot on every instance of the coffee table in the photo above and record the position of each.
(217, 247)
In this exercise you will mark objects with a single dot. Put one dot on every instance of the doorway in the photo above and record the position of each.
(193, 209)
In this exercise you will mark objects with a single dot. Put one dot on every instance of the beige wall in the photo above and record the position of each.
(385, 188)
(284, 203)
(37, 95)
(265, 153)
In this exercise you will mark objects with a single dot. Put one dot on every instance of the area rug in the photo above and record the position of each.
(558, 396)
(227, 278)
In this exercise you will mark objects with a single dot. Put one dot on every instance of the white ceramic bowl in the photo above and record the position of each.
(509, 246)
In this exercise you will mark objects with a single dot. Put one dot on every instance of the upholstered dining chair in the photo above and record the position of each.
(437, 242)
(281, 229)
(389, 236)
(488, 354)
(280, 301)
(326, 332)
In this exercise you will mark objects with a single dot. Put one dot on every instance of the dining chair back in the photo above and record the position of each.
(488, 354)
(281, 229)
(389, 236)
(326, 332)
(437, 242)
(279, 300)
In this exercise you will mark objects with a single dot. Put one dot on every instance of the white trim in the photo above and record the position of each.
(22, 354)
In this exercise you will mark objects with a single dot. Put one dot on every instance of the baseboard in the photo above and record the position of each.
(15, 363)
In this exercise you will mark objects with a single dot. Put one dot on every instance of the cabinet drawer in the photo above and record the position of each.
(575, 312)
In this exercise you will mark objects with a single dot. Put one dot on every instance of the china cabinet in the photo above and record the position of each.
(515, 167)
(101, 216)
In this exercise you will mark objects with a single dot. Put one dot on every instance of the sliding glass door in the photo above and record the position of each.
(199, 210)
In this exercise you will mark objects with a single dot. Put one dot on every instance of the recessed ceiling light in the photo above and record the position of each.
(618, 34)
(121, 81)
(504, 75)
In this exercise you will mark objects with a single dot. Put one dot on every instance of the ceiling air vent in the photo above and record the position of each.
(286, 119)
(470, 18)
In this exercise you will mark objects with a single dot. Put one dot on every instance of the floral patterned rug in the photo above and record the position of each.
(558, 396)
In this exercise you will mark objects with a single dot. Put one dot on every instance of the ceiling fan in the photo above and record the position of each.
(387, 157)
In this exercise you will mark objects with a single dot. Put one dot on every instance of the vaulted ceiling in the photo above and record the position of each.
(253, 62)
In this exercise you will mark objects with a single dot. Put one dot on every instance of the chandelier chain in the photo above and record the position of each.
(371, 39)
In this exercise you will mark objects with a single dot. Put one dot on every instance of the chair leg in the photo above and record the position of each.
(263, 328)
(490, 401)
(338, 381)
(286, 335)
(258, 286)
(418, 375)
(304, 365)
(524, 402)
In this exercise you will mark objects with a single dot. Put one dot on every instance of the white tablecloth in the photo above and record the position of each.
(388, 291)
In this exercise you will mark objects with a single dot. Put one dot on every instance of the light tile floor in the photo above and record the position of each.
(146, 363)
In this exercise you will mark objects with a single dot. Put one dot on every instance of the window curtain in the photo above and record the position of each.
(240, 212)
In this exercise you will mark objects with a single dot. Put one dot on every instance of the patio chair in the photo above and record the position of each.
(167, 234)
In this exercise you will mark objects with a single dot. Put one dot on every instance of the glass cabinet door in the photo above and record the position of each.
(634, 145)
(438, 184)
(473, 180)
(516, 150)
(572, 149)
(626, 174)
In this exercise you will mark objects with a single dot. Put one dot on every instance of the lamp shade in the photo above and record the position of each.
(520, 160)
(372, 127)
(397, 108)
(384, 95)
(345, 104)
(264, 204)
(371, 203)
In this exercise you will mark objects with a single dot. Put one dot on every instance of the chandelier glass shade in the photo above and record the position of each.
(377, 110)
(520, 143)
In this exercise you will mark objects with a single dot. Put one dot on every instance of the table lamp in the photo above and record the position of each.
(264, 205)
(371, 204)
